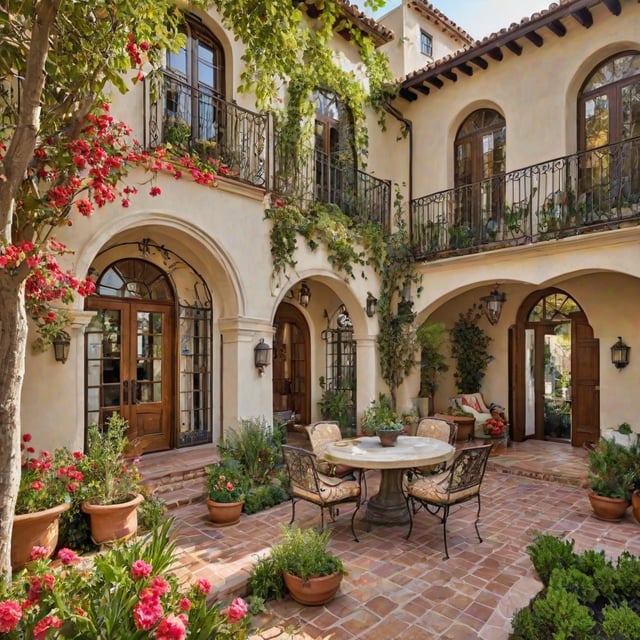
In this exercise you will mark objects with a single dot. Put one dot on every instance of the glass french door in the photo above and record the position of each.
(129, 368)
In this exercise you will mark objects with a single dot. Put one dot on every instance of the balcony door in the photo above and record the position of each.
(480, 161)
(129, 347)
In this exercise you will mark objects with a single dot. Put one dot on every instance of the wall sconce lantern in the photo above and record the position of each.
(493, 305)
(372, 302)
(262, 355)
(61, 344)
(620, 354)
(304, 295)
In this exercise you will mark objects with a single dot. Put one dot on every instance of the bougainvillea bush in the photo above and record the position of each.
(126, 592)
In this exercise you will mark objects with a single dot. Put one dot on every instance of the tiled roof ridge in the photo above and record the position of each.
(427, 6)
(514, 26)
(354, 11)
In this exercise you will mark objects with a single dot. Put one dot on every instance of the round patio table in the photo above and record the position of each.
(388, 506)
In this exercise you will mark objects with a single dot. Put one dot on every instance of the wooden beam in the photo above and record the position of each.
(408, 95)
(613, 6)
(514, 47)
(466, 69)
(480, 62)
(583, 17)
(436, 82)
(422, 89)
(558, 28)
(496, 54)
(450, 75)
(535, 37)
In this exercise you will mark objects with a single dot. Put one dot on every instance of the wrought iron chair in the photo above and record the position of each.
(459, 483)
(320, 435)
(307, 483)
(440, 430)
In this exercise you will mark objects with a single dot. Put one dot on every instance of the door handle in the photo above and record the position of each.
(134, 392)
(125, 392)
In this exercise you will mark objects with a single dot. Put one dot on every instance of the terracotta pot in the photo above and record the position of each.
(224, 514)
(313, 591)
(611, 509)
(111, 522)
(635, 504)
(35, 529)
(464, 432)
(388, 438)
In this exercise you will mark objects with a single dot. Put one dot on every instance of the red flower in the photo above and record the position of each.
(10, 615)
(171, 628)
(237, 610)
(148, 611)
(67, 556)
(203, 586)
(140, 569)
(48, 622)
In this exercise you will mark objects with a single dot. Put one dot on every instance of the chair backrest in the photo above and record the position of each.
(438, 429)
(301, 467)
(321, 434)
(467, 470)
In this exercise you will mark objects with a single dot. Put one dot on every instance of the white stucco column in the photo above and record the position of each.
(245, 393)
(366, 354)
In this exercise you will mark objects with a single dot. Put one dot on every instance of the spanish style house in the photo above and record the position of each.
(518, 159)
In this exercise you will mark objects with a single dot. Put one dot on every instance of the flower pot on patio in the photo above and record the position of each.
(110, 522)
(224, 514)
(388, 437)
(635, 504)
(315, 590)
(610, 509)
(39, 529)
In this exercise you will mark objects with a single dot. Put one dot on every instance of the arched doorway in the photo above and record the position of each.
(148, 349)
(555, 371)
(291, 363)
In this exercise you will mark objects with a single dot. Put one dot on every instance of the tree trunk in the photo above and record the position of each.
(13, 339)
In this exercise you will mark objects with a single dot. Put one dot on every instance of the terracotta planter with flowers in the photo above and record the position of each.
(47, 482)
(225, 493)
(39, 529)
(112, 486)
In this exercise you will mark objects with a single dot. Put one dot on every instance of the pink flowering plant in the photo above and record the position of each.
(128, 592)
(225, 482)
(47, 479)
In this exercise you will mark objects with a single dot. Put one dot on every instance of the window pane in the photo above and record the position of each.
(177, 62)
(596, 121)
(630, 111)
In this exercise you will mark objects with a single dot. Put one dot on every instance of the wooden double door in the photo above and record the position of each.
(130, 368)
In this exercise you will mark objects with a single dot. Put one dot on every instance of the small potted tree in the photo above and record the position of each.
(611, 475)
(111, 488)
(301, 565)
(226, 492)
(431, 338)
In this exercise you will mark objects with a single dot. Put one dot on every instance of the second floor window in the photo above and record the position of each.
(194, 88)
(426, 44)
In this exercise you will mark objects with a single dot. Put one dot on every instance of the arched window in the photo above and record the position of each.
(131, 278)
(480, 159)
(194, 86)
(609, 103)
(609, 134)
(335, 157)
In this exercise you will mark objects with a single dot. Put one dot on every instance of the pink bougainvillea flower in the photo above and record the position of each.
(67, 556)
(237, 610)
(203, 586)
(41, 628)
(38, 553)
(10, 615)
(171, 628)
(140, 569)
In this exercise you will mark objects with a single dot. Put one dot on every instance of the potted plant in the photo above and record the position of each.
(301, 565)
(225, 492)
(469, 348)
(336, 404)
(611, 471)
(431, 338)
(380, 419)
(47, 484)
(111, 491)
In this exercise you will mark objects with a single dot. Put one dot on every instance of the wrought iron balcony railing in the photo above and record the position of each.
(314, 176)
(201, 121)
(592, 190)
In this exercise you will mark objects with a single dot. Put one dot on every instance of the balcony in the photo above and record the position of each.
(594, 190)
(202, 122)
(312, 176)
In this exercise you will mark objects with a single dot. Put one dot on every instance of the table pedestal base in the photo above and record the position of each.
(388, 506)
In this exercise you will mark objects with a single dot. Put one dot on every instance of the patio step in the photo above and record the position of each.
(178, 488)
